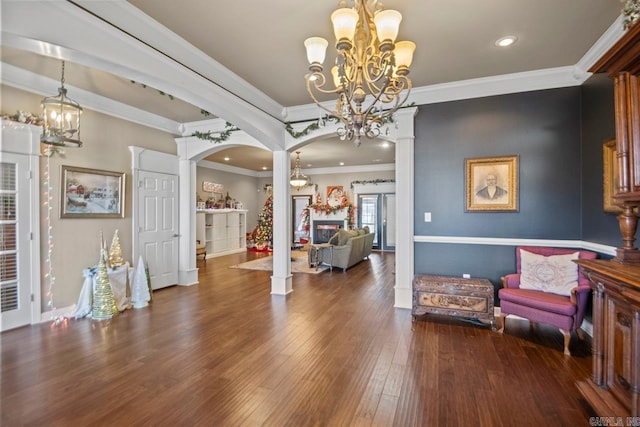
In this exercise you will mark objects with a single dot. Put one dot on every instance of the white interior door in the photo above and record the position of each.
(158, 226)
(15, 273)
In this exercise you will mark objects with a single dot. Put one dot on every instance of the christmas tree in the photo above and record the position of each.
(115, 254)
(264, 230)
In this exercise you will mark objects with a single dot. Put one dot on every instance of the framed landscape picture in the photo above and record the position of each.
(491, 184)
(91, 193)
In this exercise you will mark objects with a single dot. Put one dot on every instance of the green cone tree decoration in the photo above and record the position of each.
(104, 303)
(115, 252)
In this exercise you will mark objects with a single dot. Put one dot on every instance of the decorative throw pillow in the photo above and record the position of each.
(557, 274)
(343, 237)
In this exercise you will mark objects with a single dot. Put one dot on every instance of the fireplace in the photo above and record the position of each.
(323, 230)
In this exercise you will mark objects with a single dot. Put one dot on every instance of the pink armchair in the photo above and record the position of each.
(564, 312)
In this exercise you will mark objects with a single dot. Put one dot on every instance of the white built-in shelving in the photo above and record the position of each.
(223, 231)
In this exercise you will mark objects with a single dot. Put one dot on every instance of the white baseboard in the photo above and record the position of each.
(49, 316)
(587, 327)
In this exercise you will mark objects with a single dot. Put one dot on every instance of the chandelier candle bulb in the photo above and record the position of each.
(404, 54)
(387, 25)
(344, 23)
(316, 51)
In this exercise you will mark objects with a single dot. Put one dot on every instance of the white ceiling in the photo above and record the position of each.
(262, 42)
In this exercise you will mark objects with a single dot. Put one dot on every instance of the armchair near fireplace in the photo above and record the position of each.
(548, 287)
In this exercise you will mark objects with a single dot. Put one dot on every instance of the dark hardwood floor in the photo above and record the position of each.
(334, 352)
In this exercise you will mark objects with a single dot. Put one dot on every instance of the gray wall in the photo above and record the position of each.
(598, 126)
(544, 129)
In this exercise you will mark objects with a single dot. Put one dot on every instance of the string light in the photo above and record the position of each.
(48, 275)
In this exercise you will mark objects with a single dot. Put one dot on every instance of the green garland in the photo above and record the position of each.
(374, 181)
(24, 117)
(313, 126)
(324, 119)
(631, 12)
(217, 137)
(305, 131)
(327, 209)
(171, 97)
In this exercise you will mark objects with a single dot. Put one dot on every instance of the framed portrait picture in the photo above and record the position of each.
(91, 193)
(609, 176)
(491, 184)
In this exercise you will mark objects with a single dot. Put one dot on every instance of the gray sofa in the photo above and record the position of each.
(349, 248)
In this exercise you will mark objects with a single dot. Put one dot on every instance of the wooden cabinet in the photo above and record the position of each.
(622, 64)
(223, 231)
(614, 388)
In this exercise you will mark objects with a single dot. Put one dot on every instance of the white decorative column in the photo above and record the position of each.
(404, 121)
(281, 281)
(187, 271)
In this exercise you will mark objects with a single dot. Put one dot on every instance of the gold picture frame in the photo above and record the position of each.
(491, 184)
(609, 176)
(91, 193)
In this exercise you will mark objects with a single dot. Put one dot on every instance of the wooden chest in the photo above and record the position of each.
(453, 296)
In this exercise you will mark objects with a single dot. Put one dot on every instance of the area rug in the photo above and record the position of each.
(299, 264)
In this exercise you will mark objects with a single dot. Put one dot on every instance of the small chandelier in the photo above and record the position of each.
(298, 180)
(370, 72)
(61, 119)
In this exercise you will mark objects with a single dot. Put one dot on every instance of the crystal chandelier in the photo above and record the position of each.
(370, 72)
(61, 119)
(298, 180)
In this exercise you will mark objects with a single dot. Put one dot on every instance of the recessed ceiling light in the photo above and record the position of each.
(264, 168)
(385, 144)
(309, 165)
(341, 163)
(506, 41)
(226, 159)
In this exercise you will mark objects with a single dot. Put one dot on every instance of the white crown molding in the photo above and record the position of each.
(317, 171)
(35, 83)
(550, 78)
(350, 169)
(498, 241)
(227, 168)
(602, 45)
(207, 125)
(468, 89)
